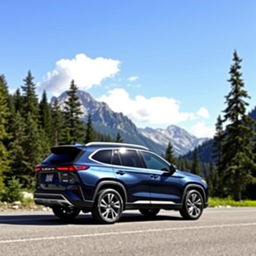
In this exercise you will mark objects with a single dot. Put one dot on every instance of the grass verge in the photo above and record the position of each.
(215, 202)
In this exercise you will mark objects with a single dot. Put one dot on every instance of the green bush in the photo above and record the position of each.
(12, 192)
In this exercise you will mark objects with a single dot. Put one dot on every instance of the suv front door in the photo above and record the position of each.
(164, 185)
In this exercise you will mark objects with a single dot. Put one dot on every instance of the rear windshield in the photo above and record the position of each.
(62, 155)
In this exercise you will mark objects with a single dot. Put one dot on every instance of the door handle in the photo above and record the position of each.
(154, 176)
(120, 172)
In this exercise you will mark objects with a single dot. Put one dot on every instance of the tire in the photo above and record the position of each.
(108, 207)
(65, 213)
(149, 213)
(193, 205)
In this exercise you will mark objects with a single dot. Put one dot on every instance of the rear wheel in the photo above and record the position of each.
(108, 206)
(149, 213)
(65, 213)
(192, 205)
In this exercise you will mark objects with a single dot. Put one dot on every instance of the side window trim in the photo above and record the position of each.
(144, 168)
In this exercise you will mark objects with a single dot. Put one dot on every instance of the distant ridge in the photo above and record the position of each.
(109, 122)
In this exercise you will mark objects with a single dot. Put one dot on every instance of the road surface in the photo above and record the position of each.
(222, 231)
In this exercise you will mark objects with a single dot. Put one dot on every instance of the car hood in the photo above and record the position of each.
(186, 174)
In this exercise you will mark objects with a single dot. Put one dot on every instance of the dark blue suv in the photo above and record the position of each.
(108, 178)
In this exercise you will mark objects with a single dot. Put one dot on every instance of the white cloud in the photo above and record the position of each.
(200, 130)
(150, 111)
(86, 72)
(203, 112)
(133, 78)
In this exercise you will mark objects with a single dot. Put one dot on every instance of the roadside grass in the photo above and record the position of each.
(27, 203)
(216, 202)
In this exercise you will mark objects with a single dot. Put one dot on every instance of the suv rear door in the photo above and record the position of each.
(130, 170)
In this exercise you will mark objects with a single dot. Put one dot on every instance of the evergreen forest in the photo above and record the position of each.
(30, 126)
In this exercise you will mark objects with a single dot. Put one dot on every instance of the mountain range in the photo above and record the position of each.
(109, 122)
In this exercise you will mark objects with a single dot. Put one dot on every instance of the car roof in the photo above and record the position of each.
(115, 144)
(102, 145)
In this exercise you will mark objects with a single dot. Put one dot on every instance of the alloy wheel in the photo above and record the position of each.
(194, 205)
(110, 206)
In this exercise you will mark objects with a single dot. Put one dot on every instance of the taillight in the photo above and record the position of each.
(38, 168)
(71, 168)
(81, 167)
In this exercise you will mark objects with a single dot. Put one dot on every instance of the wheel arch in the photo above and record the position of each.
(199, 188)
(118, 186)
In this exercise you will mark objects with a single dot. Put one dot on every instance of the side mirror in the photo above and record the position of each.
(172, 169)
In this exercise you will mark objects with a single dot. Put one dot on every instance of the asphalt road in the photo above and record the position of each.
(224, 231)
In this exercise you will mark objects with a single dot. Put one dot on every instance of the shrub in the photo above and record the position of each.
(12, 192)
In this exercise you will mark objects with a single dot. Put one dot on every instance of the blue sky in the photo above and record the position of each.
(160, 62)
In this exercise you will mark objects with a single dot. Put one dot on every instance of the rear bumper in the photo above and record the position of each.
(60, 199)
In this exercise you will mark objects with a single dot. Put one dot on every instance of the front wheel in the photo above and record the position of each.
(65, 213)
(192, 207)
(108, 207)
(149, 213)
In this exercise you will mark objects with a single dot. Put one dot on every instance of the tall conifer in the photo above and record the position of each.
(58, 121)
(218, 141)
(90, 134)
(45, 117)
(72, 110)
(195, 163)
(34, 149)
(4, 115)
(169, 156)
(237, 156)
(17, 147)
(30, 101)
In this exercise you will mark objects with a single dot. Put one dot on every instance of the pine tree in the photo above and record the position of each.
(29, 102)
(90, 134)
(58, 121)
(195, 164)
(4, 115)
(180, 163)
(218, 141)
(213, 181)
(10, 105)
(45, 116)
(33, 149)
(16, 147)
(169, 155)
(72, 110)
(119, 138)
(17, 101)
(237, 153)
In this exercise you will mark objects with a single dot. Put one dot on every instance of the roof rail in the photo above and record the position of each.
(115, 144)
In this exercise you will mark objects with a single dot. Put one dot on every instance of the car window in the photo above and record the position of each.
(154, 162)
(116, 158)
(130, 158)
(103, 156)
